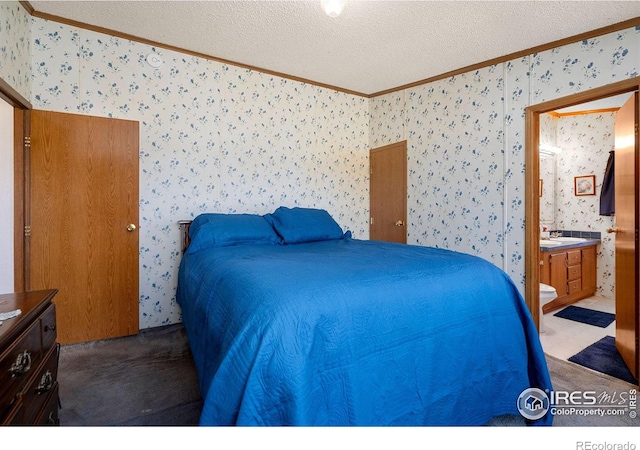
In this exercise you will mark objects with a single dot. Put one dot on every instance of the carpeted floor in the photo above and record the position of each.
(570, 377)
(147, 379)
(150, 380)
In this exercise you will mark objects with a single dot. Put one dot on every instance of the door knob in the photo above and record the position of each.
(399, 223)
(131, 227)
(614, 230)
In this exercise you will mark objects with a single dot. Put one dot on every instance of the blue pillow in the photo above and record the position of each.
(298, 225)
(221, 230)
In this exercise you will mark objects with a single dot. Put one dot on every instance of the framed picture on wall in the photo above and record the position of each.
(585, 185)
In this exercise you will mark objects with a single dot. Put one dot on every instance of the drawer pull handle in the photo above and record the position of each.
(46, 383)
(52, 419)
(49, 328)
(22, 364)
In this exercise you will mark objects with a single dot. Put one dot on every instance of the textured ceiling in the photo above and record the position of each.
(371, 47)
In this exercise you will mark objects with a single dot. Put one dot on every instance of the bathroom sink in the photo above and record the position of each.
(568, 239)
(555, 241)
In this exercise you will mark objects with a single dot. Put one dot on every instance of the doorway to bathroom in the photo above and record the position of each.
(577, 144)
(556, 204)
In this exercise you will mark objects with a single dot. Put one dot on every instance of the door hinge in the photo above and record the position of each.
(27, 230)
(371, 221)
(27, 141)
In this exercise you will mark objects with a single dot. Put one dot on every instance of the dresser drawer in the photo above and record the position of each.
(14, 417)
(48, 324)
(29, 359)
(40, 385)
(574, 272)
(17, 363)
(49, 415)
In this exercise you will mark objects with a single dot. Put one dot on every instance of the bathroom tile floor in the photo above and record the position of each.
(564, 338)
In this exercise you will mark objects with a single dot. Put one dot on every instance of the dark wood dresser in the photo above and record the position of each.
(29, 360)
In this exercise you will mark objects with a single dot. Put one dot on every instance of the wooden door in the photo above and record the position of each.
(84, 196)
(388, 193)
(626, 201)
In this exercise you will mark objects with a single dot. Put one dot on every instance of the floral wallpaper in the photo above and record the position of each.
(456, 163)
(466, 142)
(15, 47)
(518, 90)
(215, 137)
(586, 141)
(387, 119)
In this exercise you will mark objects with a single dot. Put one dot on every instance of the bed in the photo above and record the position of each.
(291, 321)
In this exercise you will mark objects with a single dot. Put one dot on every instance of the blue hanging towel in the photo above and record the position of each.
(608, 192)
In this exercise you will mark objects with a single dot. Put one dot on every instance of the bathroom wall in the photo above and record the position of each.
(466, 142)
(586, 141)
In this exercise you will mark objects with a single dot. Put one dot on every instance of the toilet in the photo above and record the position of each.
(547, 294)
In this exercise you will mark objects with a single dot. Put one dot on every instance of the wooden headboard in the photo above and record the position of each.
(184, 233)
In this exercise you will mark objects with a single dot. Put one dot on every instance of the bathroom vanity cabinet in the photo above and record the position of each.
(571, 270)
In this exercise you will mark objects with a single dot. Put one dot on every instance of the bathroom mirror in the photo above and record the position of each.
(548, 161)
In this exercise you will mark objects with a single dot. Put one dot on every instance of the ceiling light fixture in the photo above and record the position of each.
(332, 8)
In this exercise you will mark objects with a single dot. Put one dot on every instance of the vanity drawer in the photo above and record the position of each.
(574, 272)
(16, 365)
(574, 257)
(574, 286)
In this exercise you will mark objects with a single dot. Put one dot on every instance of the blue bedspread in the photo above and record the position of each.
(351, 332)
